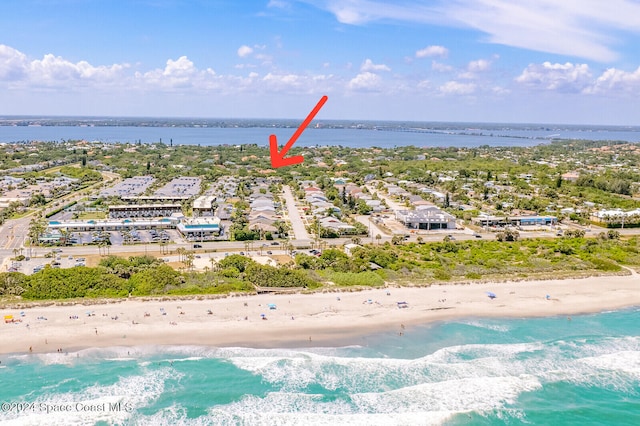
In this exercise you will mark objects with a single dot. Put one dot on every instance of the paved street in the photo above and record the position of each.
(297, 225)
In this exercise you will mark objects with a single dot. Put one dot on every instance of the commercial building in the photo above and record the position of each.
(200, 228)
(112, 225)
(499, 221)
(426, 218)
(143, 210)
(204, 206)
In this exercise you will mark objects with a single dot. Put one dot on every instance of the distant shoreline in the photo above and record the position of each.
(303, 320)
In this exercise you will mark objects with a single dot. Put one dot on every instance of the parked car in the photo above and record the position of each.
(269, 252)
(197, 246)
(275, 243)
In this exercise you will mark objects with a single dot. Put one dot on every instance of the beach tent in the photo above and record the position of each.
(403, 305)
(491, 295)
(272, 306)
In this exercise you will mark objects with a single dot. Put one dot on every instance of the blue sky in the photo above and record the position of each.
(535, 61)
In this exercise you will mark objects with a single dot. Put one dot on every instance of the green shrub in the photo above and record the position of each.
(368, 279)
(605, 264)
(442, 275)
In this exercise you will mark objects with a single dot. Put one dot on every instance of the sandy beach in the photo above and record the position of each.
(297, 320)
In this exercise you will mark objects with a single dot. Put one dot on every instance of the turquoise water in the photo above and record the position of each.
(546, 371)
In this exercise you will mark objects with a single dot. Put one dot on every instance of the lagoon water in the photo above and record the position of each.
(543, 371)
(384, 136)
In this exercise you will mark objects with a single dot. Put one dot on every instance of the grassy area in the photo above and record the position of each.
(91, 215)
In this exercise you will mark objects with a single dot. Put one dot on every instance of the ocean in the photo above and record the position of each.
(384, 136)
(583, 370)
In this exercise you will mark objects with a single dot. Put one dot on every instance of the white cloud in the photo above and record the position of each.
(457, 88)
(13, 64)
(580, 28)
(474, 68)
(278, 4)
(366, 81)
(616, 81)
(431, 51)
(368, 65)
(439, 66)
(179, 74)
(52, 71)
(424, 84)
(499, 90)
(478, 66)
(359, 12)
(296, 83)
(244, 51)
(566, 77)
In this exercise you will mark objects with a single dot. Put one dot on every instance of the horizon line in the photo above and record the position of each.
(324, 120)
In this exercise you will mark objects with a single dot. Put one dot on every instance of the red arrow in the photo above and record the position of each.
(277, 158)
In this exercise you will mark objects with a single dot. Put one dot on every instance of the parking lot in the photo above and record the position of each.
(117, 238)
(57, 259)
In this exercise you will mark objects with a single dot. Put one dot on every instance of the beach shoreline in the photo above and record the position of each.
(301, 320)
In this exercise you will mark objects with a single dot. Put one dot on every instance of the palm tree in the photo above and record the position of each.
(214, 263)
(181, 252)
(64, 233)
(163, 247)
(189, 260)
(378, 238)
(36, 229)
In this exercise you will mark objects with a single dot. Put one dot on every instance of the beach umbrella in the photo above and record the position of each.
(491, 295)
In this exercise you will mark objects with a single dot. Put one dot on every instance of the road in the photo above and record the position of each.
(374, 230)
(14, 232)
(297, 225)
(393, 205)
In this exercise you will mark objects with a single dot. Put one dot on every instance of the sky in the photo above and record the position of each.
(506, 61)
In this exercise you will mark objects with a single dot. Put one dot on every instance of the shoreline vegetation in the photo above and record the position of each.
(324, 318)
(12, 302)
(406, 264)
